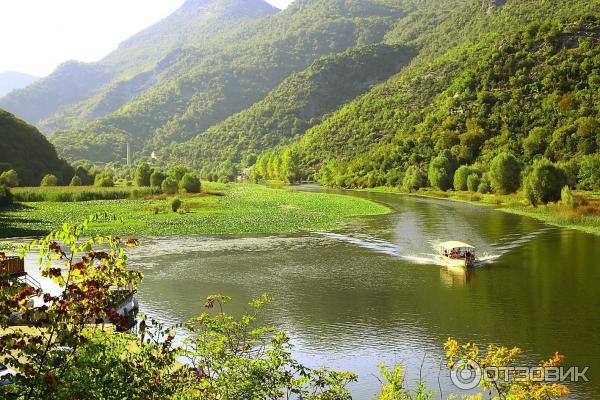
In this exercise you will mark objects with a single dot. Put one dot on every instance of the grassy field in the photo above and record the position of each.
(80, 193)
(584, 218)
(225, 209)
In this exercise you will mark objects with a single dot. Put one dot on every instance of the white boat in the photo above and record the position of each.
(457, 254)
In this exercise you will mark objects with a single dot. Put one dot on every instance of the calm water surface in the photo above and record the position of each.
(373, 292)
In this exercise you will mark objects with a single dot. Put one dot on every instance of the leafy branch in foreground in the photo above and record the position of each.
(38, 342)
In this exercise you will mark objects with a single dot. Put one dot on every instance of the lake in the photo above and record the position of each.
(374, 292)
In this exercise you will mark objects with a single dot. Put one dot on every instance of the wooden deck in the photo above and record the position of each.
(12, 266)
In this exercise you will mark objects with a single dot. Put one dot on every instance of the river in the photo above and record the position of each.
(374, 293)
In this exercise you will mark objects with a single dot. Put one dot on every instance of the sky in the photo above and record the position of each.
(38, 35)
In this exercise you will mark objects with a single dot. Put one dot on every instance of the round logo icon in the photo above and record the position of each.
(466, 375)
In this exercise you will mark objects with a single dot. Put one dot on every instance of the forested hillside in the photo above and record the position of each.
(300, 102)
(24, 149)
(207, 85)
(529, 89)
(76, 92)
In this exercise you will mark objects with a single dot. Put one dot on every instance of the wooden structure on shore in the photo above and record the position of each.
(13, 266)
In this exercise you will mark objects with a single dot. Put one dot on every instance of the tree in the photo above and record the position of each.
(142, 175)
(49, 180)
(460, 177)
(414, 179)
(589, 172)
(290, 171)
(536, 142)
(157, 178)
(9, 178)
(169, 186)
(484, 186)
(6, 197)
(505, 173)
(104, 180)
(473, 182)
(544, 183)
(76, 181)
(178, 171)
(190, 183)
(176, 204)
(441, 170)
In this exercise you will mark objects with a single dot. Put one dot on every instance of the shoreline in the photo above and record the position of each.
(551, 214)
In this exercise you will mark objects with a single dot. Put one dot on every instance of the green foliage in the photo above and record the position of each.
(473, 182)
(63, 194)
(142, 175)
(104, 179)
(544, 183)
(170, 186)
(85, 277)
(394, 387)
(157, 178)
(441, 170)
(505, 174)
(242, 359)
(461, 177)
(190, 183)
(26, 151)
(49, 180)
(484, 186)
(178, 171)
(175, 204)
(9, 178)
(6, 197)
(76, 181)
(414, 179)
(567, 198)
(589, 172)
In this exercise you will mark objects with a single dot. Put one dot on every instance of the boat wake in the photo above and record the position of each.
(494, 251)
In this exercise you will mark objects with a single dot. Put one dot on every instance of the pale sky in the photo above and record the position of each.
(38, 35)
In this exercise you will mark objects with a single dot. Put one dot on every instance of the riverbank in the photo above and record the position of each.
(585, 218)
(221, 209)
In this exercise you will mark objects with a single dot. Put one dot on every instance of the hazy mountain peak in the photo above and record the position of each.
(11, 80)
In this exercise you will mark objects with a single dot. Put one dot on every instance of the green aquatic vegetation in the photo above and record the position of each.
(221, 209)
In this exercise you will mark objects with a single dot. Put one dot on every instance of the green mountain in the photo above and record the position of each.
(206, 85)
(298, 103)
(24, 149)
(82, 91)
(511, 76)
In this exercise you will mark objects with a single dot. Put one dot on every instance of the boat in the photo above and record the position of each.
(457, 254)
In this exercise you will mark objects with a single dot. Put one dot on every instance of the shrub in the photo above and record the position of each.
(177, 172)
(157, 178)
(441, 170)
(414, 179)
(505, 174)
(142, 175)
(175, 204)
(49, 180)
(589, 173)
(6, 197)
(484, 186)
(545, 182)
(460, 177)
(473, 182)
(567, 198)
(9, 178)
(104, 180)
(76, 181)
(169, 186)
(190, 183)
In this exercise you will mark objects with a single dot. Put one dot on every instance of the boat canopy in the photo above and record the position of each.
(456, 245)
